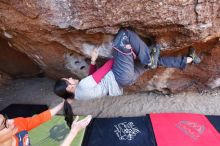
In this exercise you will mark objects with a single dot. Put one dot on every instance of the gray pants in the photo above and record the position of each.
(125, 70)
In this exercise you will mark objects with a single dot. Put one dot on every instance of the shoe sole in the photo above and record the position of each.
(156, 56)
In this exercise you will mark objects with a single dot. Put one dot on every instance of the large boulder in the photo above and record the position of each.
(58, 35)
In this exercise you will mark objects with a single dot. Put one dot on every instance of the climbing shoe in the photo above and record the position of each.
(195, 58)
(155, 53)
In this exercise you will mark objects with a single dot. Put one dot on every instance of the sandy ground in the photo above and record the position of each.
(39, 91)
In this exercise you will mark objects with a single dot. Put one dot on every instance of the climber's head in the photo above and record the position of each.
(65, 87)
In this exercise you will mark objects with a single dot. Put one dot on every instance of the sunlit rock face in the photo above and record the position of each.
(58, 36)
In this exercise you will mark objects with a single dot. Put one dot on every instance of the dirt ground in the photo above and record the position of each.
(40, 91)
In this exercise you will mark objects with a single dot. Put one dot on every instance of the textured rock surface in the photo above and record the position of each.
(39, 92)
(4, 79)
(58, 35)
(194, 77)
(16, 63)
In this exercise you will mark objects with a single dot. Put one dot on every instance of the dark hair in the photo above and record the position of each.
(60, 90)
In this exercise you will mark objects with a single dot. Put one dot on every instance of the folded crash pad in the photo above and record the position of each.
(127, 131)
(180, 129)
(174, 129)
(215, 121)
(23, 110)
(52, 133)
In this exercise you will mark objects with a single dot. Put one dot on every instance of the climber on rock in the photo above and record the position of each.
(120, 71)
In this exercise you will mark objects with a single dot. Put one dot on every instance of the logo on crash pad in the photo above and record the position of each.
(192, 129)
(58, 132)
(126, 130)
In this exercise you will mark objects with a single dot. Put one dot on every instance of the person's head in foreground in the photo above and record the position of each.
(65, 89)
(7, 131)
